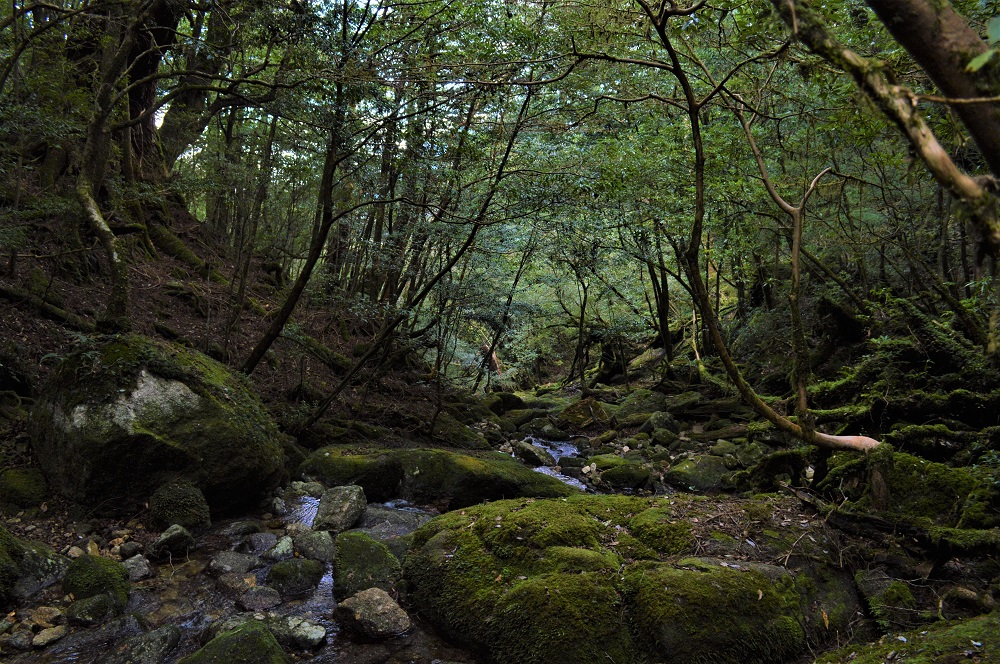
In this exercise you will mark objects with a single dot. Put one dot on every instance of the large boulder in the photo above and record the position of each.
(117, 420)
(615, 578)
(445, 479)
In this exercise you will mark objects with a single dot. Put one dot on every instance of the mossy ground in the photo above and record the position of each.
(972, 640)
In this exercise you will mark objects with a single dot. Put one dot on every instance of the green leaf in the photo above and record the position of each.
(980, 61)
(993, 30)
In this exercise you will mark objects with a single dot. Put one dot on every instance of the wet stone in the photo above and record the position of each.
(260, 542)
(175, 541)
(48, 635)
(296, 632)
(138, 568)
(282, 550)
(21, 638)
(240, 528)
(259, 598)
(315, 545)
(91, 610)
(150, 648)
(233, 561)
(373, 613)
(340, 508)
(129, 549)
(313, 489)
(234, 585)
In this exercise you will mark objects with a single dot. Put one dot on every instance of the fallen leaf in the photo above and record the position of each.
(760, 594)
(826, 620)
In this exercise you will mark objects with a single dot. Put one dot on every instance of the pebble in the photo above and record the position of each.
(75, 552)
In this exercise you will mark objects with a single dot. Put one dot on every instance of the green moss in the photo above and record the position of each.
(123, 416)
(627, 476)
(446, 479)
(22, 487)
(94, 575)
(11, 554)
(957, 641)
(361, 562)
(606, 461)
(659, 529)
(560, 618)
(714, 614)
(296, 577)
(454, 433)
(181, 503)
(379, 474)
(584, 578)
(582, 414)
(250, 643)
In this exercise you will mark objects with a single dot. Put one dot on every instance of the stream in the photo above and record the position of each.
(184, 595)
(559, 449)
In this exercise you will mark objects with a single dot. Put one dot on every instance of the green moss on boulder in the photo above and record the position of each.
(120, 418)
(250, 643)
(21, 488)
(88, 576)
(446, 479)
(588, 578)
(360, 563)
(296, 577)
(11, 554)
(181, 503)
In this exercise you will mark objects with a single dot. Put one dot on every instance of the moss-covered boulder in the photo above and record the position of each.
(601, 578)
(360, 563)
(250, 643)
(446, 479)
(296, 577)
(582, 414)
(454, 433)
(181, 503)
(701, 473)
(88, 576)
(120, 418)
(21, 488)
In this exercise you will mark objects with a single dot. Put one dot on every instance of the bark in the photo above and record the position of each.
(943, 43)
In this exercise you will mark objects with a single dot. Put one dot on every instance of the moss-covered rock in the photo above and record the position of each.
(445, 479)
(588, 578)
(88, 576)
(361, 563)
(715, 613)
(582, 414)
(296, 577)
(181, 503)
(640, 401)
(700, 473)
(11, 554)
(250, 643)
(21, 488)
(453, 433)
(121, 418)
(627, 477)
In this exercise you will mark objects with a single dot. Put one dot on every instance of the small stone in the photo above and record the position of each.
(279, 507)
(233, 561)
(90, 610)
(93, 549)
(296, 632)
(21, 638)
(46, 616)
(234, 585)
(259, 598)
(149, 648)
(48, 635)
(129, 549)
(373, 613)
(75, 552)
(175, 541)
(317, 545)
(260, 542)
(283, 549)
(241, 528)
(138, 568)
(313, 489)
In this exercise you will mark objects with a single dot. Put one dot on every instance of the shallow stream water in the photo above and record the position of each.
(558, 449)
(184, 595)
